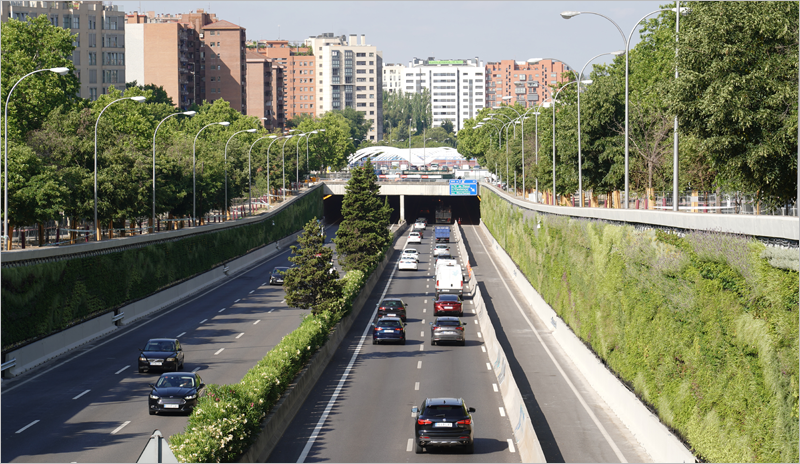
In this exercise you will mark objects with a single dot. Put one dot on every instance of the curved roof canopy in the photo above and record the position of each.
(419, 156)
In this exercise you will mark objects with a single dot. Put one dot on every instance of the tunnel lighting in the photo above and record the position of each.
(479, 197)
(326, 197)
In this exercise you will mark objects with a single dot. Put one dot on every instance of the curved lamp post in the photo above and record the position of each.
(269, 192)
(61, 71)
(509, 97)
(185, 113)
(250, 170)
(226, 165)
(555, 100)
(137, 99)
(297, 166)
(194, 164)
(283, 162)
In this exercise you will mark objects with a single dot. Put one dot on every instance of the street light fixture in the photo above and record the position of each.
(137, 99)
(297, 166)
(283, 163)
(194, 168)
(226, 165)
(269, 192)
(60, 71)
(250, 171)
(554, 101)
(185, 113)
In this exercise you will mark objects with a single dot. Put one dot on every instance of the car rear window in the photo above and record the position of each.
(447, 323)
(448, 298)
(389, 324)
(445, 410)
(392, 303)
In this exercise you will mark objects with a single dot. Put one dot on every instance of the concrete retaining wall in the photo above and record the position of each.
(654, 436)
(278, 420)
(55, 345)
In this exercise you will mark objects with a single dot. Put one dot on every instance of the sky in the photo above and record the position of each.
(454, 29)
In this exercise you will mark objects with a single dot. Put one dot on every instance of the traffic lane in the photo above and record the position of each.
(393, 379)
(24, 404)
(566, 430)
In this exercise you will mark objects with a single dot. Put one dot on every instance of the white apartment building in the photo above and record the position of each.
(99, 31)
(393, 77)
(349, 74)
(456, 87)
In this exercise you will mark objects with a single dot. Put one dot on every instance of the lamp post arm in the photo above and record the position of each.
(154, 167)
(622, 34)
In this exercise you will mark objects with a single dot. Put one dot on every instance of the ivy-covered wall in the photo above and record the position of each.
(41, 299)
(703, 327)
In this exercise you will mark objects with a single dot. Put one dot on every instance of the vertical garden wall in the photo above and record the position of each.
(41, 299)
(703, 327)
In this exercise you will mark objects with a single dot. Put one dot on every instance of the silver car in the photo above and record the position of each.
(448, 329)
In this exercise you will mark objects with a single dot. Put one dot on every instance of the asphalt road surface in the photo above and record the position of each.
(91, 404)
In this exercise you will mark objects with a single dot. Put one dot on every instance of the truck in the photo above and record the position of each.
(442, 234)
(443, 215)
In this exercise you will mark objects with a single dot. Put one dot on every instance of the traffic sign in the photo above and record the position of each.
(462, 187)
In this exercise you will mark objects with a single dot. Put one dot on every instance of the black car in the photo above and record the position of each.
(162, 354)
(445, 422)
(388, 329)
(276, 278)
(175, 392)
(392, 307)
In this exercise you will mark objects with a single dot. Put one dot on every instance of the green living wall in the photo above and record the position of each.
(703, 327)
(41, 299)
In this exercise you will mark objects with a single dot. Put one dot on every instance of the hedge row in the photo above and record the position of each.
(702, 327)
(228, 419)
(42, 299)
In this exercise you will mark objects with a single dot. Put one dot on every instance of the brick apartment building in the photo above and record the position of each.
(99, 30)
(527, 83)
(226, 64)
(299, 82)
(264, 81)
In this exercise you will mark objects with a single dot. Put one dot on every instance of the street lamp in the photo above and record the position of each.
(194, 165)
(580, 177)
(226, 165)
(555, 100)
(269, 192)
(283, 162)
(250, 171)
(137, 99)
(61, 71)
(509, 97)
(297, 166)
(185, 113)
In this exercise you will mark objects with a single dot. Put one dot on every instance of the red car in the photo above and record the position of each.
(447, 305)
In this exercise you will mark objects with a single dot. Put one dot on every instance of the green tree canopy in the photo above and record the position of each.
(310, 284)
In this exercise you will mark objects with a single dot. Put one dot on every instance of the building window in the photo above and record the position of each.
(93, 92)
(93, 59)
(92, 40)
(93, 77)
(54, 20)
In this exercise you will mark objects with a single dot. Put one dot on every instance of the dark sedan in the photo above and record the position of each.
(445, 422)
(161, 354)
(392, 307)
(448, 329)
(175, 392)
(276, 278)
(389, 329)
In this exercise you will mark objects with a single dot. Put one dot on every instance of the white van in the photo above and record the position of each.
(449, 279)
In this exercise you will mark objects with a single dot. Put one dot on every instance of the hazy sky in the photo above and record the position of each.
(402, 30)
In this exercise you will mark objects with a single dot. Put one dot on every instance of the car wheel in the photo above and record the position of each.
(152, 413)
(403, 341)
(433, 342)
(470, 448)
(463, 343)
(374, 342)
(418, 448)
(141, 371)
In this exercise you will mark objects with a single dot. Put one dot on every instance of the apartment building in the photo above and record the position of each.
(456, 87)
(393, 77)
(260, 89)
(349, 73)
(165, 53)
(226, 65)
(299, 83)
(526, 83)
(99, 31)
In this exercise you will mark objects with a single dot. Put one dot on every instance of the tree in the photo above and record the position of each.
(359, 126)
(447, 125)
(310, 284)
(329, 148)
(364, 231)
(737, 92)
(157, 93)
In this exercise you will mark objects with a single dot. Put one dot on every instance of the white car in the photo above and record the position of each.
(410, 253)
(441, 250)
(414, 237)
(408, 264)
(419, 225)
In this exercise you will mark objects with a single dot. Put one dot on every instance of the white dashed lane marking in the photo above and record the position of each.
(416, 386)
(488, 367)
(273, 309)
(502, 412)
(195, 370)
(120, 427)
(251, 292)
(422, 334)
(181, 334)
(121, 370)
(511, 445)
(219, 351)
(479, 335)
(419, 364)
(240, 335)
(483, 348)
(421, 347)
(223, 309)
(203, 320)
(494, 387)
(256, 322)
(238, 300)
(27, 426)
(410, 444)
(78, 396)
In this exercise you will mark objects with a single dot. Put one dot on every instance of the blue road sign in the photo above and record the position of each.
(463, 187)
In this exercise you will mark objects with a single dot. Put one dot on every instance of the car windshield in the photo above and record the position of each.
(159, 346)
(175, 381)
(389, 324)
(445, 410)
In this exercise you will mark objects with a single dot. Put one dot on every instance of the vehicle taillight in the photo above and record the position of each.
(460, 328)
(399, 330)
(435, 328)
(424, 422)
(382, 308)
(464, 422)
(460, 283)
(437, 283)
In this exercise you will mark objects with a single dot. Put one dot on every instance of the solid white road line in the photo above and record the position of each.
(195, 370)
(120, 371)
(203, 320)
(343, 379)
(120, 427)
(586, 407)
(483, 348)
(238, 300)
(219, 351)
(410, 444)
(223, 309)
(256, 322)
(488, 366)
(419, 364)
(27, 426)
(502, 412)
(85, 392)
(240, 335)
(511, 445)
(181, 334)
(416, 386)
(494, 387)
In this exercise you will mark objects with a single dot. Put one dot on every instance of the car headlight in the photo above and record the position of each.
(171, 359)
(142, 358)
(191, 397)
(153, 397)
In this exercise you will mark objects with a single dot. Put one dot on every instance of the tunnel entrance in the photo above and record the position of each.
(466, 208)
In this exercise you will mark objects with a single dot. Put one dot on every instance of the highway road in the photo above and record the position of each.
(91, 404)
(572, 422)
(360, 410)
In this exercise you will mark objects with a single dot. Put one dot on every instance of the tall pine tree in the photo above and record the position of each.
(310, 284)
(364, 230)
